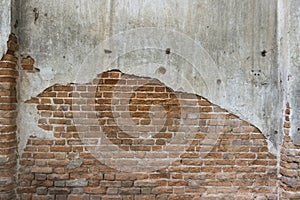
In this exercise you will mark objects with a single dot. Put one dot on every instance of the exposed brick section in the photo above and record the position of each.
(239, 166)
(8, 114)
(289, 163)
(27, 63)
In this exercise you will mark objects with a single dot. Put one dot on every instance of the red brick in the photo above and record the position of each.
(234, 161)
(42, 169)
(43, 155)
(26, 190)
(58, 176)
(60, 148)
(92, 190)
(43, 183)
(59, 190)
(57, 163)
(42, 142)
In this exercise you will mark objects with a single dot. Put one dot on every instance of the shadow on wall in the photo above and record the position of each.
(123, 136)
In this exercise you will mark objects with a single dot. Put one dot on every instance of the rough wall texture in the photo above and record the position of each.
(191, 147)
(290, 152)
(8, 120)
(126, 136)
(5, 23)
(239, 36)
(289, 163)
(293, 70)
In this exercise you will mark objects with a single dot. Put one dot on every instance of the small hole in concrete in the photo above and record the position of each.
(264, 53)
(168, 51)
(36, 14)
(107, 51)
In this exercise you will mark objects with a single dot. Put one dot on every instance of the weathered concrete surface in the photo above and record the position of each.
(294, 67)
(288, 59)
(5, 21)
(236, 40)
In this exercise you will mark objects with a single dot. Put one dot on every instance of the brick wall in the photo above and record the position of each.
(289, 163)
(8, 114)
(213, 154)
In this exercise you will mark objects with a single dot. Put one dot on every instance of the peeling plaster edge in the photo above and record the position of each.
(283, 11)
(5, 31)
(34, 130)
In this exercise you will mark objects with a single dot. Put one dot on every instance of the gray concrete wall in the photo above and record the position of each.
(5, 24)
(293, 37)
(225, 50)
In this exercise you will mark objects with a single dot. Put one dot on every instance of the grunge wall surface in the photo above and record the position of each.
(143, 99)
